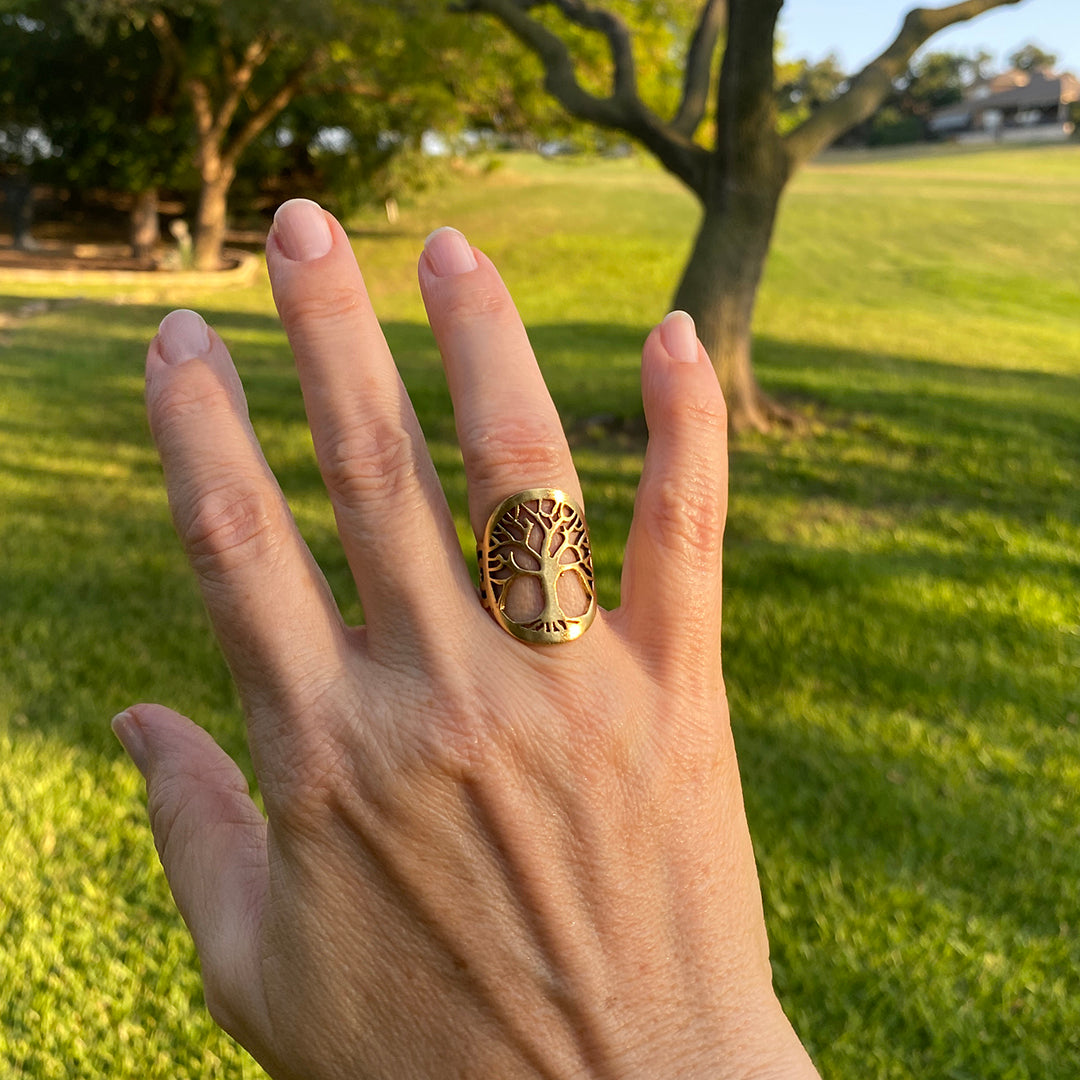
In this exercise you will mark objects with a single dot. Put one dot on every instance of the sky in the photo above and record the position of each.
(857, 30)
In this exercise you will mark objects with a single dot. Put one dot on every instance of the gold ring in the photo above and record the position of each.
(536, 571)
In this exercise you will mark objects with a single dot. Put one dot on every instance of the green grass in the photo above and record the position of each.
(902, 617)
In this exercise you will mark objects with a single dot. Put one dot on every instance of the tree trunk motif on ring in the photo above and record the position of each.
(539, 535)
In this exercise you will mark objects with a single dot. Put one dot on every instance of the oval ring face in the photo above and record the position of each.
(536, 572)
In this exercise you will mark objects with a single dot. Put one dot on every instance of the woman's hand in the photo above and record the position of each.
(480, 857)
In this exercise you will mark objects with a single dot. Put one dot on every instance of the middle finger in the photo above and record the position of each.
(393, 519)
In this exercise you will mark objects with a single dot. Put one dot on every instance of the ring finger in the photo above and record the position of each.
(511, 441)
(509, 430)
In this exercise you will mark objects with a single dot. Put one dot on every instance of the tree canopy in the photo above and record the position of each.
(188, 89)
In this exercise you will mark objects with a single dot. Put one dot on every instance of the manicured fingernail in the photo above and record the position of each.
(302, 230)
(679, 336)
(182, 336)
(449, 253)
(127, 730)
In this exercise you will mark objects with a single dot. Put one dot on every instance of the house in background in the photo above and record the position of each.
(1016, 106)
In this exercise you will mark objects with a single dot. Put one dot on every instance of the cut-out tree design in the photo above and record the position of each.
(536, 550)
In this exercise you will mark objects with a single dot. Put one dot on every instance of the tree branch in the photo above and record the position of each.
(168, 42)
(238, 80)
(228, 61)
(263, 114)
(698, 71)
(560, 79)
(872, 85)
(623, 110)
(203, 107)
(618, 35)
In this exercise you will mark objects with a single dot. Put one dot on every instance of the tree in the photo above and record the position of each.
(239, 64)
(22, 142)
(134, 94)
(1031, 58)
(737, 167)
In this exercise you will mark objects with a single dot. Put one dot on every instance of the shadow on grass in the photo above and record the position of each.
(963, 435)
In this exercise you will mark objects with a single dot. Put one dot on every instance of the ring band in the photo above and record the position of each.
(536, 571)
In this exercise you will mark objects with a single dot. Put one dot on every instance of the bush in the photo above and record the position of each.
(891, 127)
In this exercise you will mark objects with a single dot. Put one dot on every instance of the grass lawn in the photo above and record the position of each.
(902, 638)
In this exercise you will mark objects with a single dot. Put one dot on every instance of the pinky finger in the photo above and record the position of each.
(671, 574)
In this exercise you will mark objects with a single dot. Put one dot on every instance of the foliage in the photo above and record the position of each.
(360, 143)
(660, 30)
(891, 127)
(901, 644)
(201, 91)
(938, 79)
(934, 81)
(495, 83)
(348, 149)
(104, 114)
(802, 86)
(1031, 57)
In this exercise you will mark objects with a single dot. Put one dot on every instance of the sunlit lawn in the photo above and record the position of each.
(902, 617)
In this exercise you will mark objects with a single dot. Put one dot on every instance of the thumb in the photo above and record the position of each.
(211, 839)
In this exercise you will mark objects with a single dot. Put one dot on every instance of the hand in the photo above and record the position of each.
(480, 858)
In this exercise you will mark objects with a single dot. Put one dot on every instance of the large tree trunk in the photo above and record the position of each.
(719, 287)
(210, 219)
(145, 224)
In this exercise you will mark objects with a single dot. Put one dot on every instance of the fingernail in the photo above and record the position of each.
(679, 336)
(449, 253)
(302, 230)
(183, 335)
(126, 729)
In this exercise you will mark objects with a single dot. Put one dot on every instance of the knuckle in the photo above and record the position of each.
(687, 505)
(229, 526)
(458, 743)
(178, 400)
(514, 447)
(314, 306)
(375, 460)
(707, 417)
(480, 301)
(321, 746)
(167, 805)
(688, 516)
(701, 414)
